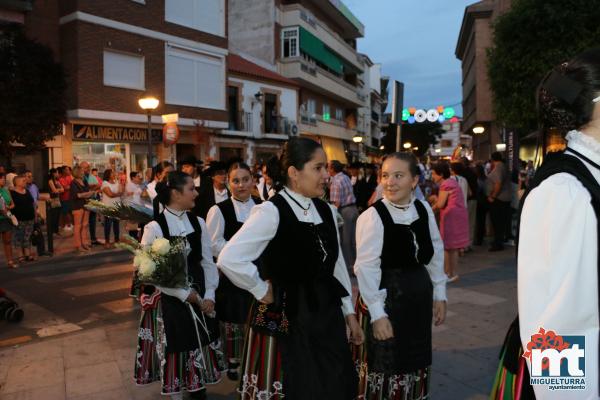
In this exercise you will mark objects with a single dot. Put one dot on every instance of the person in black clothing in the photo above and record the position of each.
(24, 210)
(213, 189)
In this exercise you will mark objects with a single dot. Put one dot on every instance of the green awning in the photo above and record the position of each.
(312, 46)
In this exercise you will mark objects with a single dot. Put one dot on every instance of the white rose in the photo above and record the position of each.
(137, 260)
(161, 246)
(147, 267)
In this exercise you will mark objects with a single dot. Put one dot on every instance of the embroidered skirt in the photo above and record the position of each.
(374, 385)
(179, 371)
(232, 337)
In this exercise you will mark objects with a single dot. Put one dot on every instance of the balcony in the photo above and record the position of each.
(242, 125)
(320, 81)
(314, 125)
(296, 15)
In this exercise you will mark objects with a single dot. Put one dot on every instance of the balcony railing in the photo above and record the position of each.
(241, 121)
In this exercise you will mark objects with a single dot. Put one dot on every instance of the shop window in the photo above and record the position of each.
(123, 70)
(203, 15)
(194, 79)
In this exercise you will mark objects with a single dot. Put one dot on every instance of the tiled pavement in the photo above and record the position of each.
(88, 352)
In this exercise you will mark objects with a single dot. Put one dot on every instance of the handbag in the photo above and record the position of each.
(271, 319)
(37, 237)
(12, 218)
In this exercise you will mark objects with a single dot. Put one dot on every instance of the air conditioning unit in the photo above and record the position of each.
(291, 129)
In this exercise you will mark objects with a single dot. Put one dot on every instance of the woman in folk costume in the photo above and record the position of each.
(297, 345)
(400, 272)
(557, 253)
(233, 304)
(173, 346)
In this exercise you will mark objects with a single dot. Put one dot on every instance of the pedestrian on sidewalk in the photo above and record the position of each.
(499, 196)
(54, 204)
(111, 194)
(297, 344)
(25, 213)
(94, 185)
(173, 353)
(66, 220)
(6, 226)
(233, 303)
(341, 194)
(400, 255)
(80, 193)
(454, 219)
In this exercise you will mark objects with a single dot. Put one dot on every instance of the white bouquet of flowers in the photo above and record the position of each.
(163, 263)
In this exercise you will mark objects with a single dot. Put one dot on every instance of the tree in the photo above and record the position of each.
(420, 135)
(530, 39)
(32, 92)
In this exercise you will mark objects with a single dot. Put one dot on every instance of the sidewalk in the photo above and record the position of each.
(97, 363)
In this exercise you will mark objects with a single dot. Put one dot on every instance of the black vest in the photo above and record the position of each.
(232, 225)
(554, 163)
(296, 261)
(399, 251)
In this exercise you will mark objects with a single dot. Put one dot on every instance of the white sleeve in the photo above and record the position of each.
(557, 271)
(436, 265)
(369, 244)
(236, 260)
(152, 232)
(211, 274)
(216, 228)
(341, 272)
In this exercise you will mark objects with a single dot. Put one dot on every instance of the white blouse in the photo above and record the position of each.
(557, 265)
(181, 226)
(220, 195)
(369, 245)
(151, 190)
(216, 223)
(236, 258)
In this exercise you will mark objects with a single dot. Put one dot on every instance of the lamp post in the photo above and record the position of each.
(149, 104)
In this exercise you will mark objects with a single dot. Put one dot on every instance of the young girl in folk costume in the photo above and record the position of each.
(172, 346)
(233, 303)
(400, 271)
(557, 248)
(297, 346)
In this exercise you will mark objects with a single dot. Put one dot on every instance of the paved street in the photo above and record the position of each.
(77, 340)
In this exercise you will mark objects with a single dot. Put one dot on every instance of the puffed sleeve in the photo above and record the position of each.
(341, 273)
(369, 244)
(216, 228)
(152, 232)
(436, 265)
(557, 270)
(211, 274)
(236, 260)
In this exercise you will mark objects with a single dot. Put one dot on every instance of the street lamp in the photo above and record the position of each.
(478, 129)
(357, 138)
(149, 104)
(407, 145)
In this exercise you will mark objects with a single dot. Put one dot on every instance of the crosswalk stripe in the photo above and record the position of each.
(73, 276)
(120, 306)
(99, 287)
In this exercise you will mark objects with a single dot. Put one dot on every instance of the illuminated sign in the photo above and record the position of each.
(440, 114)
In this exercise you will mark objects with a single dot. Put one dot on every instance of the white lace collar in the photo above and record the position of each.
(297, 196)
(584, 144)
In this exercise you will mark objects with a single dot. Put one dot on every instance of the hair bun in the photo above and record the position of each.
(555, 113)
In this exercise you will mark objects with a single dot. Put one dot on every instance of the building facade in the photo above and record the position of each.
(475, 38)
(313, 43)
(263, 113)
(452, 139)
(117, 52)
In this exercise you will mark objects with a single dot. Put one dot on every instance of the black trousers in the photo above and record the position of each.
(480, 217)
(499, 214)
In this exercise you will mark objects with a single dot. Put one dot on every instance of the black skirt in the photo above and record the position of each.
(232, 303)
(316, 358)
(409, 305)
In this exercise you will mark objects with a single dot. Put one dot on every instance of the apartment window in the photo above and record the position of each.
(123, 70)
(311, 107)
(446, 143)
(339, 114)
(194, 79)
(289, 42)
(326, 112)
(203, 15)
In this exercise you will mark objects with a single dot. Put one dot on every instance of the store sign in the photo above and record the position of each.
(170, 133)
(95, 133)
